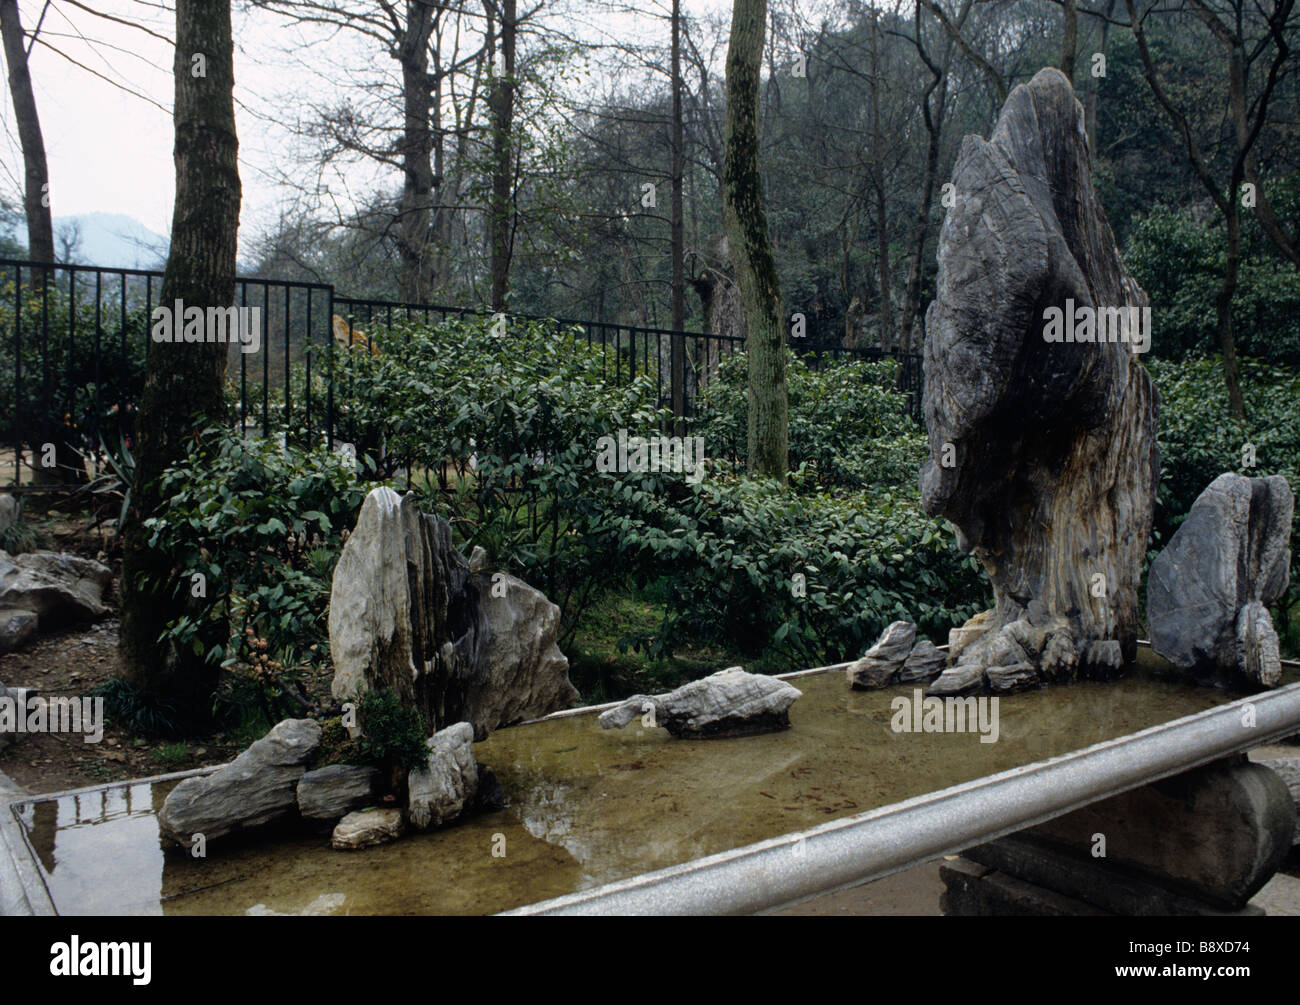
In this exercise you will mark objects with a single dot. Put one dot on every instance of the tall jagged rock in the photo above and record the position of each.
(405, 613)
(1042, 452)
(409, 613)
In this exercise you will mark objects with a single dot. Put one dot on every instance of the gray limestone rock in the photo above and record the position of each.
(1054, 441)
(884, 659)
(442, 789)
(367, 828)
(336, 790)
(731, 702)
(55, 587)
(258, 787)
(1210, 587)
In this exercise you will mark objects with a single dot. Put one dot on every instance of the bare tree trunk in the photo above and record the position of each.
(417, 149)
(183, 382)
(36, 203)
(1070, 39)
(678, 348)
(1223, 309)
(746, 219)
(501, 103)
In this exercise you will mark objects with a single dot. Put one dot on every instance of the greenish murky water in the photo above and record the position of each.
(587, 806)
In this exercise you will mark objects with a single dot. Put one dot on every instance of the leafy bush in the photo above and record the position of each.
(729, 553)
(257, 521)
(391, 733)
(848, 427)
(82, 370)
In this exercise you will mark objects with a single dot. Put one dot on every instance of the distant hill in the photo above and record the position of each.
(110, 239)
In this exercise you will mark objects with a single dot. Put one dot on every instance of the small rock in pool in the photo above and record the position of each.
(366, 828)
(731, 702)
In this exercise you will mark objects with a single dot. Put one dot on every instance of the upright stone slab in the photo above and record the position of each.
(1042, 453)
(409, 613)
(405, 613)
(1209, 588)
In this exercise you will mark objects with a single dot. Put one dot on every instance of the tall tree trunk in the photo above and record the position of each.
(36, 203)
(1223, 309)
(1070, 38)
(183, 381)
(746, 220)
(501, 104)
(882, 263)
(678, 348)
(417, 149)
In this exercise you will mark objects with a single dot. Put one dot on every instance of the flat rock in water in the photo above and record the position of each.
(257, 787)
(55, 587)
(728, 703)
(1210, 587)
(336, 790)
(441, 790)
(884, 659)
(367, 828)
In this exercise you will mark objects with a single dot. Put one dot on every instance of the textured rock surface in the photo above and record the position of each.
(730, 702)
(1217, 833)
(1042, 454)
(440, 791)
(884, 659)
(1209, 588)
(959, 638)
(523, 673)
(407, 612)
(17, 626)
(1288, 769)
(404, 613)
(367, 828)
(257, 787)
(54, 587)
(925, 662)
(336, 790)
(8, 511)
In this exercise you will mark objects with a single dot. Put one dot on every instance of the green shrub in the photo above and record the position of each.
(848, 427)
(255, 520)
(391, 733)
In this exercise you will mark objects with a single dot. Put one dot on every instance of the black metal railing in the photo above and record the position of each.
(75, 339)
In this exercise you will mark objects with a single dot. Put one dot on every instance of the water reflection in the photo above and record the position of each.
(587, 806)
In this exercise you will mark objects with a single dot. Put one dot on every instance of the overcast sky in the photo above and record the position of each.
(110, 151)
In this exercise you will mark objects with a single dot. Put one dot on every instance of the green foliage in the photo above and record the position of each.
(848, 427)
(20, 536)
(124, 705)
(1180, 262)
(391, 732)
(82, 369)
(728, 553)
(253, 518)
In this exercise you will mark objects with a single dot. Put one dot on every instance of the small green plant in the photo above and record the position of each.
(19, 536)
(128, 708)
(173, 755)
(393, 735)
